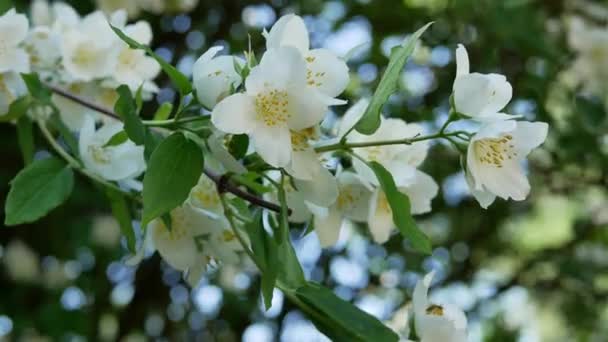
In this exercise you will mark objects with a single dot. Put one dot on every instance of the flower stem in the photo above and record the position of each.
(406, 141)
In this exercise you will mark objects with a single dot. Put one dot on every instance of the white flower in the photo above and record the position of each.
(204, 196)
(400, 160)
(325, 71)
(43, 47)
(194, 240)
(322, 191)
(115, 163)
(13, 30)
(437, 323)
(352, 202)
(494, 159)
(89, 49)
(479, 96)
(276, 101)
(420, 189)
(214, 77)
(12, 87)
(133, 67)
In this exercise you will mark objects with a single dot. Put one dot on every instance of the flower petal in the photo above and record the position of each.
(13, 28)
(477, 94)
(328, 226)
(421, 192)
(289, 30)
(326, 72)
(529, 135)
(306, 108)
(280, 68)
(234, 114)
(462, 61)
(322, 190)
(483, 197)
(272, 143)
(380, 219)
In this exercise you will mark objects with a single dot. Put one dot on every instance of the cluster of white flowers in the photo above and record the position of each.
(287, 95)
(83, 56)
(495, 153)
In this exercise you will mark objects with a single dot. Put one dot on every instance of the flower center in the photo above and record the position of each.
(178, 226)
(206, 194)
(99, 154)
(128, 59)
(84, 56)
(495, 151)
(435, 310)
(299, 139)
(271, 107)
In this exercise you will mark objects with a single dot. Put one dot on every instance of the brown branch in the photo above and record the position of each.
(83, 102)
(222, 183)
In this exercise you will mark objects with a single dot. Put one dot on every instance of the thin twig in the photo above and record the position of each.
(83, 102)
(223, 185)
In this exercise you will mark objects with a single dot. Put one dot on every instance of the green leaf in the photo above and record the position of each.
(400, 206)
(120, 210)
(345, 322)
(290, 271)
(181, 81)
(65, 132)
(38, 90)
(25, 134)
(265, 251)
(173, 170)
(370, 121)
(37, 189)
(16, 109)
(139, 101)
(163, 112)
(152, 140)
(117, 139)
(238, 145)
(126, 107)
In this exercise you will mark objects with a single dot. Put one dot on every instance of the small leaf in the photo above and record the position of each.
(16, 109)
(25, 134)
(153, 139)
(173, 170)
(345, 322)
(37, 189)
(370, 121)
(117, 139)
(181, 81)
(400, 206)
(127, 108)
(163, 112)
(238, 145)
(38, 90)
(265, 251)
(139, 101)
(120, 210)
